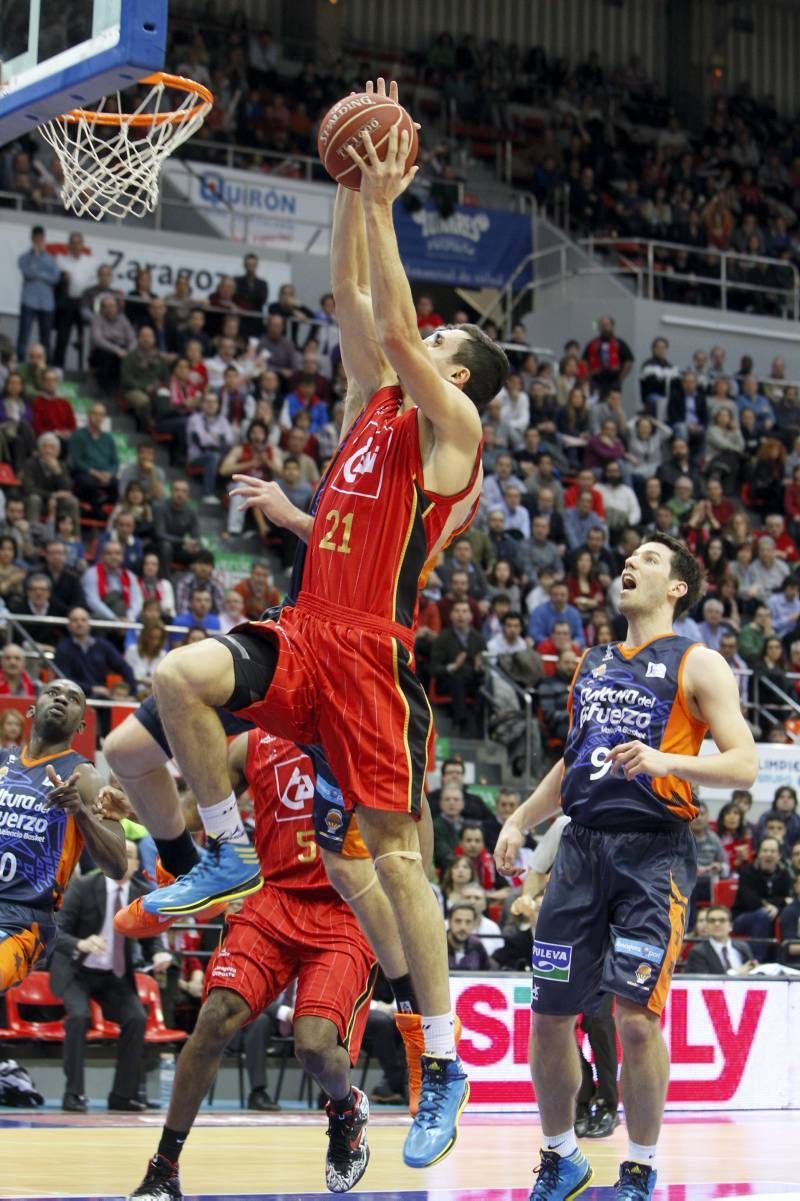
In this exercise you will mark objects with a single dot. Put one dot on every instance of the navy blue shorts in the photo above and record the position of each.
(612, 919)
(331, 819)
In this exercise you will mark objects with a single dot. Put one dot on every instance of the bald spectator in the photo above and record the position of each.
(14, 679)
(766, 573)
(89, 659)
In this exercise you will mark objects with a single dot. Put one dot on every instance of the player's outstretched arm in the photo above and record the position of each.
(445, 406)
(78, 797)
(710, 684)
(544, 801)
(270, 500)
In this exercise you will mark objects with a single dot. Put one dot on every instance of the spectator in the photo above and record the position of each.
(199, 614)
(122, 532)
(494, 486)
(512, 654)
(37, 602)
(156, 588)
(76, 274)
(177, 528)
(17, 438)
(580, 519)
(232, 612)
(91, 296)
(712, 862)
(656, 377)
(12, 727)
(175, 406)
(427, 318)
(145, 473)
(67, 590)
(258, 592)
(784, 606)
(251, 294)
(111, 337)
(465, 952)
(553, 694)
(297, 442)
(457, 664)
(140, 294)
(145, 371)
(544, 616)
(453, 771)
(713, 627)
(195, 332)
(784, 804)
(209, 437)
(146, 654)
(32, 369)
(515, 404)
(279, 349)
(46, 481)
(728, 649)
(620, 503)
(200, 575)
(733, 836)
(486, 930)
(51, 413)
(160, 320)
(12, 572)
(719, 955)
(560, 640)
(305, 400)
(789, 923)
(14, 679)
(23, 532)
(112, 591)
(294, 315)
(88, 660)
(764, 886)
(472, 845)
(93, 460)
(754, 634)
(447, 825)
(608, 358)
(135, 505)
(40, 274)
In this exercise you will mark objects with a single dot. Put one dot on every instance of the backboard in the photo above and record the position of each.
(56, 55)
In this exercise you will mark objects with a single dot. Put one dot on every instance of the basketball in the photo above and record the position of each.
(345, 125)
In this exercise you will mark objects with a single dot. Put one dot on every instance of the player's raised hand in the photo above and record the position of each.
(384, 179)
(112, 804)
(507, 849)
(636, 758)
(65, 794)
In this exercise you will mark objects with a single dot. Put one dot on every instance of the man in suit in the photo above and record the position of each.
(720, 955)
(92, 962)
(457, 663)
(38, 602)
(251, 295)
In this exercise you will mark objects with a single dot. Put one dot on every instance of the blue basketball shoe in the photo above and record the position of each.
(443, 1095)
(226, 871)
(561, 1177)
(636, 1182)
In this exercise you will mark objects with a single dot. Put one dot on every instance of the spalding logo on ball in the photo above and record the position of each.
(345, 125)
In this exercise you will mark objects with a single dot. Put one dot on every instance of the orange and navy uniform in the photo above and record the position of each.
(39, 848)
(344, 677)
(614, 911)
(297, 925)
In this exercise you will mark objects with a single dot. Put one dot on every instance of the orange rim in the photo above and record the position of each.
(147, 120)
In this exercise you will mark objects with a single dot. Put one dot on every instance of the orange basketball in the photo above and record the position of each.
(345, 125)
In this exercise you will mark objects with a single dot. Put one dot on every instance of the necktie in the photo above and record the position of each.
(118, 954)
(726, 959)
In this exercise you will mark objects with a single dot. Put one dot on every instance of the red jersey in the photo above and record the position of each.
(375, 526)
(281, 779)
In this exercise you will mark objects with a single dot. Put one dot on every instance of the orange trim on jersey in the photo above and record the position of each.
(629, 652)
(406, 721)
(70, 854)
(683, 735)
(677, 924)
(402, 557)
(363, 999)
(354, 846)
(18, 954)
(575, 674)
(26, 762)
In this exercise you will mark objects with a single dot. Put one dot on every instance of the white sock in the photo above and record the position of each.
(440, 1035)
(563, 1144)
(644, 1155)
(223, 821)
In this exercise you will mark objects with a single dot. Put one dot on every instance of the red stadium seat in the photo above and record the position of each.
(34, 990)
(150, 995)
(723, 892)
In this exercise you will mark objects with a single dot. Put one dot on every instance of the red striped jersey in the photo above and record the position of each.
(281, 780)
(375, 525)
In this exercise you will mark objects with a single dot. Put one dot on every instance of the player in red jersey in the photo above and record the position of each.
(295, 926)
(337, 667)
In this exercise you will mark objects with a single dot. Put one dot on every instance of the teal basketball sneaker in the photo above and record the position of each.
(226, 871)
(443, 1095)
(561, 1177)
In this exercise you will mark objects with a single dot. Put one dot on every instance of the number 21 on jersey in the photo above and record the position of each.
(337, 532)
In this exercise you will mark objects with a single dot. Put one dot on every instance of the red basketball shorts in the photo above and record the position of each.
(351, 687)
(279, 935)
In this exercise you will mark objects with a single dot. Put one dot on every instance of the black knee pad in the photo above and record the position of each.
(255, 657)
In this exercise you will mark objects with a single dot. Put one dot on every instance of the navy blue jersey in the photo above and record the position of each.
(618, 695)
(39, 846)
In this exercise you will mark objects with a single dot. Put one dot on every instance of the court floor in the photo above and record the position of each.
(280, 1157)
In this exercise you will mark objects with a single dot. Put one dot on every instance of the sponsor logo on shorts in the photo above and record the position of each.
(639, 950)
(333, 821)
(643, 974)
(551, 961)
(657, 671)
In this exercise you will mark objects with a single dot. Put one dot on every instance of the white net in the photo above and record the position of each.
(111, 160)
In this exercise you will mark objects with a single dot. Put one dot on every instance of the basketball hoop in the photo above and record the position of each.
(111, 160)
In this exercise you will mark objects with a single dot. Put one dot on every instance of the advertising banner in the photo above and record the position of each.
(473, 247)
(778, 765)
(289, 215)
(108, 244)
(733, 1044)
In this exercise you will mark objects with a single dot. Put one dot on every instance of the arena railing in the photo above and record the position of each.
(644, 260)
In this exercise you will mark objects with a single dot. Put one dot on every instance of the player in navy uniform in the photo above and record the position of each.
(46, 819)
(613, 915)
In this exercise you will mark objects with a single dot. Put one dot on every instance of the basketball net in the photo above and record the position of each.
(111, 160)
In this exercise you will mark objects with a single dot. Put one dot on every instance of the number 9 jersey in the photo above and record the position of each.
(618, 695)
